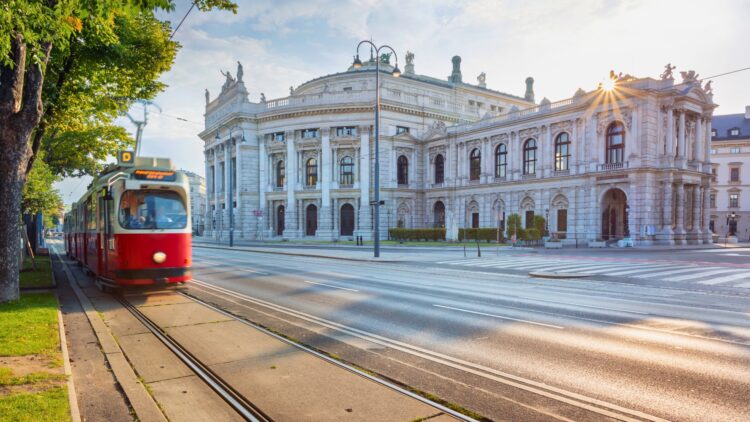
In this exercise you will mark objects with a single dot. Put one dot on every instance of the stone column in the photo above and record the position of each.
(667, 210)
(595, 223)
(238, 219)
(291, 230)
(544, 150)
(699, 148)
(680, 223)
(670, 135)
(695, 230)
(264, 174)
(574, 148)
(706, 216)
(707, 147)
(325, 229)
(682, 150)
(207, 210)
(228, 201)
(364, 222)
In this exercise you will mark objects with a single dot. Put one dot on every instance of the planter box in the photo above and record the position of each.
(553, 245)
(597, 244)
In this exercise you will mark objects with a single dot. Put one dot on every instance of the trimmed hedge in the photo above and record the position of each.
(417, 234)
(483, 233)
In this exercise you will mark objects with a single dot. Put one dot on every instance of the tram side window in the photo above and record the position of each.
(152, 209)
(90, 215)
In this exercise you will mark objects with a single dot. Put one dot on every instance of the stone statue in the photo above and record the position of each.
(240, 72)
(409, 58)
(667, 74)
(385, 58)
(689, 77)
(708, 88)
(291, 91)
(482, 80)
(208, 96)
(228, 82)
(262, 97)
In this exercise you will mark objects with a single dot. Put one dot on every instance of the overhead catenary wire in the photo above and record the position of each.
(192, 6)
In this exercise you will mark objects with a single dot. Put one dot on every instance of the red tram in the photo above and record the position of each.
(132, 227)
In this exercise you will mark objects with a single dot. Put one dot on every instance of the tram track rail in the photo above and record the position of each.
(244, 407)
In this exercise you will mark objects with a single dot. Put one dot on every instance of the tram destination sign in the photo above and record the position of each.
(158, 175)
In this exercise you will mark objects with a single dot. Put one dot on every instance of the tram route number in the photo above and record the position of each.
(166, 176)
(126, 158)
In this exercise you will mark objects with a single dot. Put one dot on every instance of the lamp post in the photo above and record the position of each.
(357, 64)
(731, 219)
(231, 186)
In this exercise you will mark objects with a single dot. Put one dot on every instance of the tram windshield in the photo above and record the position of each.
(152, 209)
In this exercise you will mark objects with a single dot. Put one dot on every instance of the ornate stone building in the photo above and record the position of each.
(628, 161)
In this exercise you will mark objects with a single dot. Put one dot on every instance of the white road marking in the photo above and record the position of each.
(732, 277)
(500, 317)
(743, 285)
(330, 285)
(702, 274)
(670, 272)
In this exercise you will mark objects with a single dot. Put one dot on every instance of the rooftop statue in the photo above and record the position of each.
(228, 82)
(708, 88)
(409, 58)
(240, 72)
(667, 74)
(262, 97)
(291, 91)
(208, 96)
(385, 58)
(482, 80)
(689, 77)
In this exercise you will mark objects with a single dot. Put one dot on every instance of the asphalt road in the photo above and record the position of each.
(508, 346)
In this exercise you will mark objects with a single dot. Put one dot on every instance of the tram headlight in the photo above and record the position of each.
(160, 257)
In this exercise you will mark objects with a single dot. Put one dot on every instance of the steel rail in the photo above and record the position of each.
(237, 401)
(377, 380)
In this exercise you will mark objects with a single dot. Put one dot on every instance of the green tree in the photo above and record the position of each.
(41, 36)
(38, 194)
(514, 226)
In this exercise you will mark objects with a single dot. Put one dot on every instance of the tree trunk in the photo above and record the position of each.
(20, 110)
(14, 152)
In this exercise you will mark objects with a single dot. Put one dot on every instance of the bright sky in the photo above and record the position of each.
(563, 44)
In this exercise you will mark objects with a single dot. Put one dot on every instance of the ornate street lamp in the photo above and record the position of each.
(357, 64)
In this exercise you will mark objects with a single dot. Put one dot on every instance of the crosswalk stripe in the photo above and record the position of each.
(702, 274)
(670, 272)
(645, 268)
(607, 270)
(745, 285)
(732, 277)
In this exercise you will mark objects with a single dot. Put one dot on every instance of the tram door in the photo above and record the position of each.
(106, 243)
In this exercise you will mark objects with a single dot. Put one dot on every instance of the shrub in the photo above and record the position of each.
(426, 234)
(540, 224)
(488, 234)
(533, 234)
(514, 226)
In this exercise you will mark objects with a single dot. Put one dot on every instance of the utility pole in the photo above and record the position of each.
(140, 124)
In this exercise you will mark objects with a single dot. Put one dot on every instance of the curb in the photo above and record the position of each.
(246, 249)
(140, 400)
(75, 412)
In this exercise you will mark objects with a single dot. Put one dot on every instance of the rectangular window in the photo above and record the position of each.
(278, 136)
(529, 219)
(734, 132)
(234, 173)
(211, 175)
(401, 129)
(712, 200)
(493, 107)
(475, 220)
(222, 179)
(713, 151)
(713, 133)
(734, 200)
(346, 131)
(309, 133)
(734, 174)
(347, 88)
(734, 150)
(471, 102)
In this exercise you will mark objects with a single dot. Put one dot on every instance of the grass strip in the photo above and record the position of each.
(50, 405)
(42, 277)
(29, 326)
(7, 378)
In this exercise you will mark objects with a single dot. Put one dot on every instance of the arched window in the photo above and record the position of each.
(562, 152)
(280, 174)
(475, 164)
(439, 169)
(311, 172)
(347, 220)
(439, 214)
(529, 157)
(615, 143)
(403, 170)
(347, 171)
(501, 160)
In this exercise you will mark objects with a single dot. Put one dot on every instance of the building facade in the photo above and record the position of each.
(730, 193)
(631, 161)
(197, 201)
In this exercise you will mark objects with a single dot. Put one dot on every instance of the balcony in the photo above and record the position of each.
(735, 182)
(565, 172)
(613, 166)
(528, 176)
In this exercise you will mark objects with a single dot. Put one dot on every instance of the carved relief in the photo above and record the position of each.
(605, 118)
(565, 126)
(532, 132)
